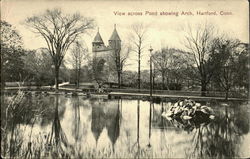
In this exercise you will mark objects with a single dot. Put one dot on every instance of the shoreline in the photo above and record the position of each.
(123, 95)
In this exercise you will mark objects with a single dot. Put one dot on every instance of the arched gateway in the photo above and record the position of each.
(104, 57)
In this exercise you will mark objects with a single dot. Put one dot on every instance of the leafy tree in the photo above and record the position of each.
(129, 78)
(59, 31)
(222, 56)
(243, 67)
(38, 65)
(11, 54)
(226, 56)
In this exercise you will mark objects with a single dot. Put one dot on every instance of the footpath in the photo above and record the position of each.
(173, 97)
(34, 87)
(128, 95)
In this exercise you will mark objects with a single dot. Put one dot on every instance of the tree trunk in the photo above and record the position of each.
(2, 78)
(138, 122)
(139, 70)
(203, 88)
(78, 77)
(119, 79)
(163, 81)
(167, 82)
(153, 82)
(151, 79)
(227, 91)
(56, 77)
(226, 98)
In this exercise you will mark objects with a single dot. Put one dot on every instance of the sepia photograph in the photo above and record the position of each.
(125, 79)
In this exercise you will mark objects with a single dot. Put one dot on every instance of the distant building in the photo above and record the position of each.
(104, 54)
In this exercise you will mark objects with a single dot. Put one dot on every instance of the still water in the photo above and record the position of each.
(80, 127)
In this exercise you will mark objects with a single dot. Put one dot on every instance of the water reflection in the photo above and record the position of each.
(76, 120)
(110, 119)
(56, 140)
(221, 138)
(94, 128)
(150, 121)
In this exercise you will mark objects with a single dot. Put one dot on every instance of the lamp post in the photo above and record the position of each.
(151, 98)
(151, 86)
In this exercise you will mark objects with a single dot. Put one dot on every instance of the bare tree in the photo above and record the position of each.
(77, 55)
(162, 60)
(59, 30)
(138, 40)
(118, 61)
(198, 42)
(124, 57)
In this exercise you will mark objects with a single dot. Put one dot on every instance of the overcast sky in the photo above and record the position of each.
(162, 30)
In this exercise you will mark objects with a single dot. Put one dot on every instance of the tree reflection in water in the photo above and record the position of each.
(220, 138)
(149, 127)
(77, 130)
(137, 153)
(110, 119)
(19, 140)
(77, 119)
(97, 123)
(57, 138)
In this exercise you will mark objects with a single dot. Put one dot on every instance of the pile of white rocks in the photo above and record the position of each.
(189, 110)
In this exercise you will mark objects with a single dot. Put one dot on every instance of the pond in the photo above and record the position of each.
(77, 127)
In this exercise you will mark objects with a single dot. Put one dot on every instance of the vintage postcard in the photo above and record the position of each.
(125, 79)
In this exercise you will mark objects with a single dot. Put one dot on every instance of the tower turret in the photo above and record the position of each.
(114, 40)
(97, 43)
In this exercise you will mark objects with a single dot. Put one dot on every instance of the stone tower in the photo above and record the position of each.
(98, 44)
(115, 41)
(103, 54)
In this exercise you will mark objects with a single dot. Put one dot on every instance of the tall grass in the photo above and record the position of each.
(53, 144)
(10, 110)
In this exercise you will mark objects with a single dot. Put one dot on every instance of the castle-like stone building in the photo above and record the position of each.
(98, 47)
(105, 54)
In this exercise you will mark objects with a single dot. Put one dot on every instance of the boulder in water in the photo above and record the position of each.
(189, 110)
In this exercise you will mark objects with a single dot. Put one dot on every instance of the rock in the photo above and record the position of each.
(176, 104)
(191, 112)
(211, 117)
(188, 111)
(178, 110)
(206, 110)
(197, 104)
(224, 104)
(180, 103)
(186, 117)
(188, 106)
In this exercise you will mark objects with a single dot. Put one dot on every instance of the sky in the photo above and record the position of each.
(162, 30)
